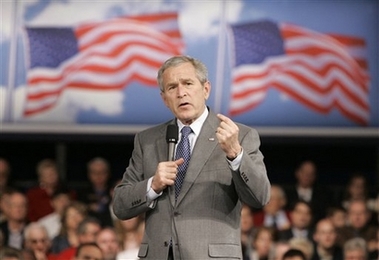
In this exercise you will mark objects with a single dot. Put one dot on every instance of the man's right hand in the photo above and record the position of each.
(165, 175)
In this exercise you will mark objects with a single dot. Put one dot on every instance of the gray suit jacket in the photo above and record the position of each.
(204, 223)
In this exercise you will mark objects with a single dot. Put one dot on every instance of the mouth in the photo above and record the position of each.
(184, 104)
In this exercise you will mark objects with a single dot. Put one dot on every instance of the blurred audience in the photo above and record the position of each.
(5, 171)
(358, 218)
(338, 217)
(60, 200)
(273, 214)
(86, 233)
(98, 194)
(129, 234)
(247, 230)
(88, 251)
(301, 218)
(39, 197)
(107, 240)
(263, 244)
(306, 189)
(294, 254)
(280, 248)
(302, 244)
(325, 238)
(15, 210)
(71, 218)
(37, 240)
(355, 249)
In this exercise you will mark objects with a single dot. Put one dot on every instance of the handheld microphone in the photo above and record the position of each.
(172, 138)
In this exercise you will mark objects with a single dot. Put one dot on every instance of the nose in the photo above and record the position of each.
(181, 91)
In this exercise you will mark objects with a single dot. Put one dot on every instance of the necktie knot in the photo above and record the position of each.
(186, 130)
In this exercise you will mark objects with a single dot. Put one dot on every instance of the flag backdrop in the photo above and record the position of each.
(320, 71)
(98, 56)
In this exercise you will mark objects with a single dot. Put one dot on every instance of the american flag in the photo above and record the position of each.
(319, 71)
(98, 56)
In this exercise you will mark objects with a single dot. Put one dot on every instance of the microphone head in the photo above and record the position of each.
(172, 134)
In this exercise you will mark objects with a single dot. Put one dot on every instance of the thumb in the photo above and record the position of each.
(179, 161)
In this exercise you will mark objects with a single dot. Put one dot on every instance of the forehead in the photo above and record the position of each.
(179, 72)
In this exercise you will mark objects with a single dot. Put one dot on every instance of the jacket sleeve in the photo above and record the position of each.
(251, 180)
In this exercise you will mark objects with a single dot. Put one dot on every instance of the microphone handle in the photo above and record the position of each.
(171, 151)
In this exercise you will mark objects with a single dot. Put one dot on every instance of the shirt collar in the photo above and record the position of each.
(197, 124)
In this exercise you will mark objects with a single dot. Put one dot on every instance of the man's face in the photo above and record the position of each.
(90, 252)
(16, 207)
(306, 174)
(183, 93)
(355, 255)
(89, 236)
(98, 174)
(358, 214)
(38, 241)
(107, 241)
(301, 216)
(325, 235)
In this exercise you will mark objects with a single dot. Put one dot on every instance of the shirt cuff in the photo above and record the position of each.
(235, 164)
(151, 195)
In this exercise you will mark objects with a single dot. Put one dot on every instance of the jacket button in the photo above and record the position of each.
(176, 213)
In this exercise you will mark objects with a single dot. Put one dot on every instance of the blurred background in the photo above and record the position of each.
(77, 81)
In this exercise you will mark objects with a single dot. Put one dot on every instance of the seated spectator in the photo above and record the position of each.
(10, 253)
(355, 249)
(306, 189)
(86, 233)
(302, 244)
(263, 243)
(98, 195)
(280, 248)
(37, 240)
(294, 254)
(107, 240)
(72, 216)
(52, 222)
(247, 229)
(338, 217)
(358, 224)
(88, 251)
(325, 238)
(15, 209)
(301, 218)
(129, 234)
(5, 172)
(273, 214)
(39, 197)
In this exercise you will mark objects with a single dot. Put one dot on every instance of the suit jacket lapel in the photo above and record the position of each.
(205, 144)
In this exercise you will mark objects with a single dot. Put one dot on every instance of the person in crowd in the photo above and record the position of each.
(247, 230)
(357, 189)
(71, 218)
(274, 214)
(86, 233)
(358, 217)
(338, 217)
(107, 240)
(39, 197)
(302, 244)
(280, 248)
(89, 251)
(263, 243)
(5, 174)
(15, 209)
(97, 195)
(193, 202)
(325, 238)
(301, 219)
(37, 240)
(355, 249)
(294, 254)
(10, 253)
(60, 200)
(129, 234)
(307, 189)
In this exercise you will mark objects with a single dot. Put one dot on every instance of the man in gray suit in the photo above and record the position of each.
(225, 169)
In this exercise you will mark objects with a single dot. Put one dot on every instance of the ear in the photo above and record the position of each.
(207, 90)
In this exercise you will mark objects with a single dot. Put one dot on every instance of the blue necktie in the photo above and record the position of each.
(182, 151)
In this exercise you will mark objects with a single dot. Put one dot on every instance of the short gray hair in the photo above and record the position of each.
(200, 68)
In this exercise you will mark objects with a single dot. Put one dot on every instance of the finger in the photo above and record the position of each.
(179, 161)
